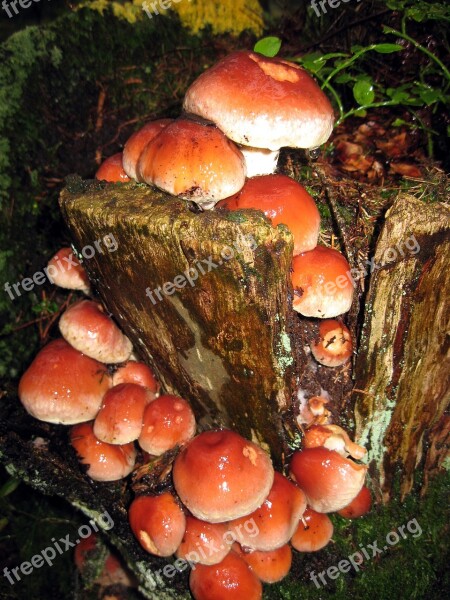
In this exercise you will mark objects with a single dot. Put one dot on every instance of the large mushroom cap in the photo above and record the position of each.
(86, 327)
(282, 200)
(63, 386)
(262, 102)
(194, 161)
(136, 143)
(220, 476)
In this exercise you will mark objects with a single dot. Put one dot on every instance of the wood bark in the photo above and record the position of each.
(403, 365)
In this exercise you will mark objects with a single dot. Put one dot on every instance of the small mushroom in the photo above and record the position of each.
(65, 271)
(220, 476)
(112, 170)
(136, 372)
(136, 143)
(204, 543)
(158, 523)
(359, 506)
(282, 200)
(313, 533)
(270, 566)
(334, 346)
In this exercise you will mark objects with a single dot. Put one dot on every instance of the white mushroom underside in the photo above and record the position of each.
(260, 161)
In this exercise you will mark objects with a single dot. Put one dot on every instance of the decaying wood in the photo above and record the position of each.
(223, 341)
(403, 365)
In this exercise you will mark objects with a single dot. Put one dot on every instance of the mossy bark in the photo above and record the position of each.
(403, 366)
(222, 338)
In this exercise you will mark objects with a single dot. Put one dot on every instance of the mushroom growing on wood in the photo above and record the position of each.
(220, 476)
(62, 385)
(262, 103)
(334, 346)
(112, 170)
(86, 327)
(65, 271)
(193, 160)
(270, 566)
(282, 200)
(136, 143)
(313, 533)
(204, 543)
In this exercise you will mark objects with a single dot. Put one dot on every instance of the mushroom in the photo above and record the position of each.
(264, 103)
(329, 480)
(221, 476)
(232, 578)
(276, 518)
(112, 170)
(322, 284)
(334, 346)
(158, 523)
(282, 200)
(313, 532)
(167, 422)
(106, 462)
(332, 437)
(86, 327)
(119, 420)
(269, 567)
(136, 372)
(136, 143)
(193, 160)
(62, 385)
(203, 542)
(359, 506)
(65, 271)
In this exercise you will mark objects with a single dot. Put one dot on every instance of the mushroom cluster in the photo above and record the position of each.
(222, 154)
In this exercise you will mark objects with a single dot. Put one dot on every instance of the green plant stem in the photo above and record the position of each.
(406, 37)
(348, 62)
(365, 107)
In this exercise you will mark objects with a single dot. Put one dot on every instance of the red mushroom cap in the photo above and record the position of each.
(262, 102)
(167, 421)
(158, 523)
(276, 518)
(111, 170)
(193, 161)
(282, 200)
(334, 346)
(313, 532)
(136, 372)
(119, 420)
(220, 476)
(65, 271)
(322, 283)
(329, 481)
(136, 143)
(271, 566)
(359, 506)
(62, 385)
(90, 331)
(106, 462)
(203, 542)
(231, 579)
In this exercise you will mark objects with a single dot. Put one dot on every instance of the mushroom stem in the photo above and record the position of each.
(260, 161)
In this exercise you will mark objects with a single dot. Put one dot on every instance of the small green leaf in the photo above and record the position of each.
(387, 48)
(9, 487)
(363, 92)
(268, 46)
(344, 78)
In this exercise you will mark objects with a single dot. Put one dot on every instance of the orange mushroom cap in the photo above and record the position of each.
(167, 421)
(231, 579)
(313, 533)
(136, 372)
(282, 200)
(158, 522)
(329, 481)
(106, 462)
(276, 518)
(65, 271)
(119, 420)
(203, 542)
(359, 506)
(322, 283)
(111, 170)
(270, 566)
(334, 346)
(194, 161)
(90, 331)
(136, 143)
(62, 385)
(220, 476)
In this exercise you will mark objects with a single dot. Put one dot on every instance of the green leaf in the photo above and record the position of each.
(344, 78)
(387, 48)
(9, 487)
(363, 92)
(268, 46)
